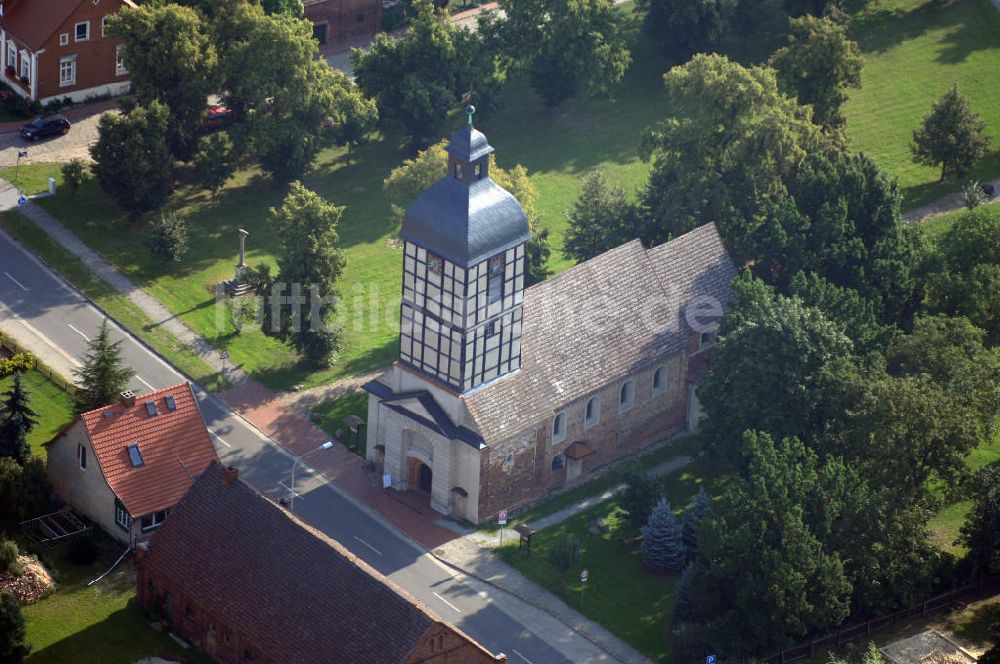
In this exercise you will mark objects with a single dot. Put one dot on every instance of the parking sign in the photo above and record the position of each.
(710, 659)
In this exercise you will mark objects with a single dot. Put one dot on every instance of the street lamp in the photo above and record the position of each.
(291, 501)
(17, 166)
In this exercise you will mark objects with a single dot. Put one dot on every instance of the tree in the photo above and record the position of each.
(871, 656)
(981, 530)
(13, 633)
(416, 81)
(685, 27)
(567, 47)
(131, 159)
(818, 65)
(354, 118)
(310, 262)
(215, 161)
(771, 370)
(24, 490)
(951, 136)
(102, 377)
(857, 317)
(601, 218)
(17, 419)
(563, 554)
(640, 494)
(726, 150)
(684, 611)
(75, 172)
(663, 540)
(967, 280)
(168, 236)
(699, 510)
(171, 59)
(765, 579)
(416, 175)
(8, 556)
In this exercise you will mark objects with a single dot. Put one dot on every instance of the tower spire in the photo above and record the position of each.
(470, 110)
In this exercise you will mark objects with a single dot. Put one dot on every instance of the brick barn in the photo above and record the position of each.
(337, 20)
(246, 581)
(503, 394)
(50, 49)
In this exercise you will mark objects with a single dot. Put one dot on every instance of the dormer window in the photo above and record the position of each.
(478, 171)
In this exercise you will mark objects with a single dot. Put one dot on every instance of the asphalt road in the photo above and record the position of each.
(45, 306)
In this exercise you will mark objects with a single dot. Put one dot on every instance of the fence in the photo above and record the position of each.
(42, 368)
(983, 588)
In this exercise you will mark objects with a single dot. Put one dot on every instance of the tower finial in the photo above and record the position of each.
(471, 110)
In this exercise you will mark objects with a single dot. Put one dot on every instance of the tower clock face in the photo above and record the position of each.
(495, 265)
(434, 264)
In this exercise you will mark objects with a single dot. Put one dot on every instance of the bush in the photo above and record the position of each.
(564, 554)
(167, 238)
(8, 557)
(973, 195)
(24, 491)
(82, 551)
(639, 495)
(75, 172)
(13, 633)
(20, 362)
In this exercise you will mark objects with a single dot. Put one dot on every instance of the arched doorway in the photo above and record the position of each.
(421, 476)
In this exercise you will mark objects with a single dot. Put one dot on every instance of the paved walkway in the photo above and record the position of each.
(949, 203)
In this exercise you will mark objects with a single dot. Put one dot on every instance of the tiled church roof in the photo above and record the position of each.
(600, 321)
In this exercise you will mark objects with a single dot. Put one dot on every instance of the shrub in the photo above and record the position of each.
(973, 195)
(75, 172)
(167, 238)
(639, 495)
(8, 556)
(20, 362)
(82, 551)
(13, 633)
(564, 554)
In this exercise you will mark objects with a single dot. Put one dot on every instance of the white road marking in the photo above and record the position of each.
(368, 545)
(23, 287)
(78, 332)
(48, 342)
(139, 378)
(219, 438)
(287, 488)
(521, 656)
(446, 602)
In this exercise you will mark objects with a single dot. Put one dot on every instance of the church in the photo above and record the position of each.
(503, 394)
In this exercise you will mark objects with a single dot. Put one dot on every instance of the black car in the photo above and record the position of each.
(42, 127)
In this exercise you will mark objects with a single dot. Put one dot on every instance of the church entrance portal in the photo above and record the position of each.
(421, 476)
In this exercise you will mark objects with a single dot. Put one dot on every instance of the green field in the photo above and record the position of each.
(914, 51)
(49, 401)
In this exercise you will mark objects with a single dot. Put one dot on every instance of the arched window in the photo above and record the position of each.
(558, 461)
(592, 415)
(660, 380)
(626, 396)
(559, 428)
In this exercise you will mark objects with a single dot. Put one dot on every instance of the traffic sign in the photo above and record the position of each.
(502, 518)
(710, 659)
(21, 200)
(584, 575)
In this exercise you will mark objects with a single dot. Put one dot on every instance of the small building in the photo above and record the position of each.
(335, 21)
(50, 49)
(126, 465)
(246, 581)
(502, 394)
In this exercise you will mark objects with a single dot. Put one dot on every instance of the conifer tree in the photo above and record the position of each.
(16, 422)
(700, 508)
(663, 540)
(13, 633)
(951, 136)
(102, 377)
(683, 600)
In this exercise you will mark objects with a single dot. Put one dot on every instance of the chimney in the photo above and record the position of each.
(229, 475)
(127, 398)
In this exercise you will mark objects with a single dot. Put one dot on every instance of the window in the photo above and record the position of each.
(458, 171)
(494, 279)
(81, 454)
(559, 428)
(491, 328)
(479, 171)
(12, 55)
(558, 461)
(25, 66)
(626, 396)
(154, 520)
(707, 340)
(659, 380)
(360, 18)
(592, 415)
(434, 263)
(104, 30)
(151, 408)
(82, 31)
(135, 455)
(64, 39)
(120, 67)
(67, 71)
(122, 517)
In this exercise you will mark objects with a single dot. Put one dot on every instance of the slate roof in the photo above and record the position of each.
(293, 591)
(175, 448)
(600, 321)
(466, 223)
(34, 21)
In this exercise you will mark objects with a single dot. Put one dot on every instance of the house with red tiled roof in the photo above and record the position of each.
(50, 49)
(246, 581)
(126, 465)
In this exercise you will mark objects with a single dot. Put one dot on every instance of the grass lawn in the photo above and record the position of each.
(914, 51)
(32, 178)
(334, 412)
(50, 402)
(99, 624)
(116, 304)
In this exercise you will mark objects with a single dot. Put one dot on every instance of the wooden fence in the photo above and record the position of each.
(978, 590)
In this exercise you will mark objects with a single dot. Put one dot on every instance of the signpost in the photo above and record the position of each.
(710, 659)
(584, 575)
(502, 520)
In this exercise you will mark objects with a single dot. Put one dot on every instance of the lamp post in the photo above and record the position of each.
(17, 167)
(325, 446)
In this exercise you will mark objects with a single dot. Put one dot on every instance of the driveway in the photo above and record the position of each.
(58, 149)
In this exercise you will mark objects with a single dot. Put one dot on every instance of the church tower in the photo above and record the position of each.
(463, 272)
